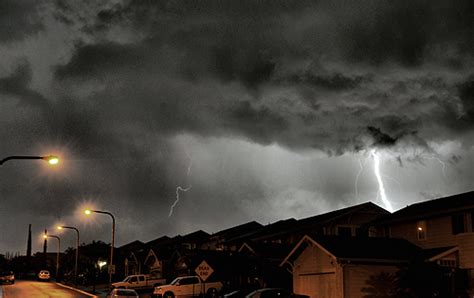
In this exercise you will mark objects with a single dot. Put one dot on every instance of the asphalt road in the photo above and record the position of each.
(25, 289)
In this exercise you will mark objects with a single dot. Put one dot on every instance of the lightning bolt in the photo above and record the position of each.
(381, 193)
(180, 188)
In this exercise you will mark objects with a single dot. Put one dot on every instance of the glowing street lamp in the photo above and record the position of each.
(51, 159)
(89, 212)
(45, 236)
(77, 249)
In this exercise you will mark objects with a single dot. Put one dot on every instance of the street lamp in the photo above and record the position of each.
(77, 249)
(111, 266)
(45, 236)
(51, 159)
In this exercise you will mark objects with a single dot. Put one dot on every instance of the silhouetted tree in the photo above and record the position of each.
(382, 285)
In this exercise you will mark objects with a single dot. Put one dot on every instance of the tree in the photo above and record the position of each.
(382, 285)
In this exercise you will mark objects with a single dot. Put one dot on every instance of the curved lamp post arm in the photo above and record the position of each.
(57, 255)
(77, 250)
(50, 158)
(113, 240)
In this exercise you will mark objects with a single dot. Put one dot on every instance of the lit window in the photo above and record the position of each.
(421, 230)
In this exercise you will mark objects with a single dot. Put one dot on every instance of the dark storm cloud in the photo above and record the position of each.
(335, 81)
(91, 61)
(466, 93)
(311, 48)
(19, 19)
(380, 138)
(134, 81)
(17, 85)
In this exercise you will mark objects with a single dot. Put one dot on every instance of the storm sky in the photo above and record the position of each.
(263, 110)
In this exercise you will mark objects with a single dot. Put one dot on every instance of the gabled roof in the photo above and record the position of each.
(267, 231)
(131, 246)
(239, 230)
(292, 225)
(274, 251)
(198, 236)
(359, 249)
(432, 208)
(432, 254)
(158, 241)
(324, 218)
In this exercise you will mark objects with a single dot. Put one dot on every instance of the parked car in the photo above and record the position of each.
(139, 281)
(122, 293)
(44, 275)
(7, 277)
(272, 293)
(188, 286)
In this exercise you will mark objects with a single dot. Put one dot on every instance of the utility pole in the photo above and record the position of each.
(45, 248)
(28, 245)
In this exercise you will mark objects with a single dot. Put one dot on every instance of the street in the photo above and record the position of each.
(37, 289)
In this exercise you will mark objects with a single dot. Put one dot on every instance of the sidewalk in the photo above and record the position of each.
(100, 290)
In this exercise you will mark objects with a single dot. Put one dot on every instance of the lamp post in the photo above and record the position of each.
(45, 236)
(51, 159)
(77, 249)
(111, 266)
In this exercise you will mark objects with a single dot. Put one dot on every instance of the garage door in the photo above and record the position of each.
(317, 285)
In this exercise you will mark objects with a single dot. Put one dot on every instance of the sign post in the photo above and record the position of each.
(204, 271)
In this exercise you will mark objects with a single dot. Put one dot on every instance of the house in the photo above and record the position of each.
(338, 266)
(350, 221)
(126, 252)
(163, 252)
(156, 254)
(444, 227)
(274, 232)
(218, 240)
(266, 259)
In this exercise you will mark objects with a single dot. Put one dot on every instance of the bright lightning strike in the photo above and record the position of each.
(180, 188)
(382, 193)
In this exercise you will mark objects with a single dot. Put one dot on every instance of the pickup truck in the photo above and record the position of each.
(139, 281)
(188, 286)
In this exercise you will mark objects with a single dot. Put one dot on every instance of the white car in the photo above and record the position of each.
(7, 277)
(125, 293)
(44, 275)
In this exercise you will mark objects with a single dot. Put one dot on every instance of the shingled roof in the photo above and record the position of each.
(267, 231)
(322, 219)
(432, 208)
(239, 230)
(360, 249)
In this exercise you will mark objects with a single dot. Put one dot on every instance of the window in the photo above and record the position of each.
(421, 230)
(141, 278)
(457, 223)
(344, 231)
(189, 281)
(133, 279)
